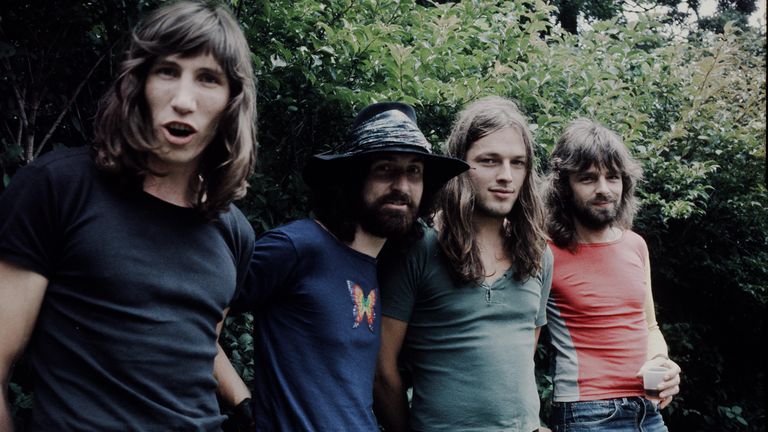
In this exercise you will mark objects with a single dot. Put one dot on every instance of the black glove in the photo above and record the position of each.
(242, 416)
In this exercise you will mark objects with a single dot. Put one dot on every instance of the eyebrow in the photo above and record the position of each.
(487, 154)
(166, 61)
(601, 171)
(218, 71)
(596, 174)
(498, 155)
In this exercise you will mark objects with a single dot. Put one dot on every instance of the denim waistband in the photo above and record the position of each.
(626, 400)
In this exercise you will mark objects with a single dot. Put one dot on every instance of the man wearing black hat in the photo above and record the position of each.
(313, 288)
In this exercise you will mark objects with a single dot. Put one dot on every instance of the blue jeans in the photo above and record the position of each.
(628, 414)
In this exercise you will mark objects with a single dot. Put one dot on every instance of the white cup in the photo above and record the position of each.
(652, 377)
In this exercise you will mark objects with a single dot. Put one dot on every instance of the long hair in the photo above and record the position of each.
(124, 137)
(585, 143)
(523, 229)
(337, 201)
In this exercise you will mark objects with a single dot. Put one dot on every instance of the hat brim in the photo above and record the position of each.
(325, 168)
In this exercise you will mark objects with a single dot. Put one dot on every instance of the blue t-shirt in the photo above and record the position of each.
(316, 308)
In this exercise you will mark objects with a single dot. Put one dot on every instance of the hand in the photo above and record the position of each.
(243, 416)
(544, 429)
(671, 384)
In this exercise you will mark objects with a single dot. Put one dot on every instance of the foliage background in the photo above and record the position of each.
(692, 108)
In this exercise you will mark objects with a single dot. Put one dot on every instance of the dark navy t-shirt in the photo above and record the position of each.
(126, 335)
(316, 312)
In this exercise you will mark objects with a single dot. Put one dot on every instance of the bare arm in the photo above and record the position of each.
(657, 354)
(657, 346)
(21, 294)
(231, 388)
(390, 402)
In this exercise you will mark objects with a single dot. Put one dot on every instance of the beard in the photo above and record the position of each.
(596, 218)
(386, 222)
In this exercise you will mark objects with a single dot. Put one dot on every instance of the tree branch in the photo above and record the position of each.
(338, 15)
(637, 7)
(19, 100)
(68, 105)
(8, 129)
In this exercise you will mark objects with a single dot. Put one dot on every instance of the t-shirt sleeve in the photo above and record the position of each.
(28, 228)
(244, 241)
(546, 286)
(272, 263)
(399, 276)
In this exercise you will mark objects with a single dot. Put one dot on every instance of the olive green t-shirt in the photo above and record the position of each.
(469, 348)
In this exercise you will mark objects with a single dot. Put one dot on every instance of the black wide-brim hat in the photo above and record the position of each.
(386, 127)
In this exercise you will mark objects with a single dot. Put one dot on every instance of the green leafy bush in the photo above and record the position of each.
(692, 110)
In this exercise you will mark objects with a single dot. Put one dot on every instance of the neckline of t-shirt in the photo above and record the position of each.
(341, 243)
(619, 239)
(161, 203)
(505, 275)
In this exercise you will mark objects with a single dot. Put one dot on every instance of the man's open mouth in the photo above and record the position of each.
(180, 129)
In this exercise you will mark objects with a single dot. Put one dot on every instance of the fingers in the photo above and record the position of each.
(658, 362)
(671, 379)
(664, 402)
(669, 364)
(670, 385)
(668, 391)
(672, 366)
(673, 370)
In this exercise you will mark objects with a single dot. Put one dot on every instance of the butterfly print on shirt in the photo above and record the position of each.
(362, 305)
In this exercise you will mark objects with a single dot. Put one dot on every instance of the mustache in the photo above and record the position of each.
(601, 198)
(395, 197)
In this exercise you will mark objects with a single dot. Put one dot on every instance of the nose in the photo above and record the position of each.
(183, 101)
(505, 173)
(601, 185)
(401, 182)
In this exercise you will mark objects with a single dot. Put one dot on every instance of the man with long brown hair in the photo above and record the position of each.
(463, 307)
(601, 313)
(117, 262)
(313, 289)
